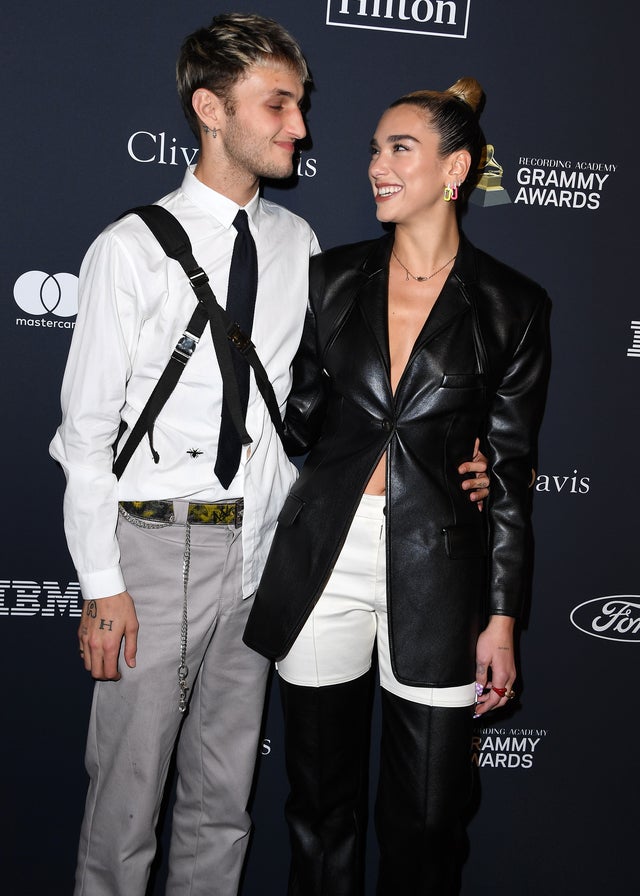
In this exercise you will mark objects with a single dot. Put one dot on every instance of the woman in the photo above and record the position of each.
(414, 344)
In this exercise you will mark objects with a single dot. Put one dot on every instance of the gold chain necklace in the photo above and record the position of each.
(421, 279)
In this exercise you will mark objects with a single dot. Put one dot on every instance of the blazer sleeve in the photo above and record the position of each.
(307, 402)
(512, 431)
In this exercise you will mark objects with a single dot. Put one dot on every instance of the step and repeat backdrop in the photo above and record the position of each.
(92, 126)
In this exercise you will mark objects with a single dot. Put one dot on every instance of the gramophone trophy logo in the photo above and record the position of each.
(489, 189)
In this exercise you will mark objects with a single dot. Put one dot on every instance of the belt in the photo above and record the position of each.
(223, 513)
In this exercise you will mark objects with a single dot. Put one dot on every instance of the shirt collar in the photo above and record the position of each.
(221, 207)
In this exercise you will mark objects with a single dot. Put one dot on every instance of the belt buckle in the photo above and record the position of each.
(185, 347)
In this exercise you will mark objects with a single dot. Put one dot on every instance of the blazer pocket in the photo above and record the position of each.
(462, 381)
(290, 510)
(465, 542)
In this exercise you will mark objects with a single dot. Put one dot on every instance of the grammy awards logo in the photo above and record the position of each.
(506, 748)
(489, 190)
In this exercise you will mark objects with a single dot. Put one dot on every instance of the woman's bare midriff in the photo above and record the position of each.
(376, 485)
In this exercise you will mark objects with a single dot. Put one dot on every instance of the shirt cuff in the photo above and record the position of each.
(104, 583)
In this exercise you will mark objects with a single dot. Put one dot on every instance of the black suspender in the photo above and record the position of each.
(224, 332)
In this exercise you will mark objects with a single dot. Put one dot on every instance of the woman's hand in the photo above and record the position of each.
(479, 484)
(495, 664)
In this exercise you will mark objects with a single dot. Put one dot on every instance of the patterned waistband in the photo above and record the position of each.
(224, 513)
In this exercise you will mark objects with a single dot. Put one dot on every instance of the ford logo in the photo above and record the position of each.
(614, 618)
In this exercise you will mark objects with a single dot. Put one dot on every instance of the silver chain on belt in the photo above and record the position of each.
(183, 669)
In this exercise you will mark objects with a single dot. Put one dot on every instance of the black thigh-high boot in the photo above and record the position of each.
(423, 793)
(327, 731)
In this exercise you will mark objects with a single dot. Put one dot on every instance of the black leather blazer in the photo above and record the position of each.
(478, 368)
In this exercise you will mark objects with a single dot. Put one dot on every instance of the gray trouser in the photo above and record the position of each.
(135, 723)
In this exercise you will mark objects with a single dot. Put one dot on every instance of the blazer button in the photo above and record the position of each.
(387, 425)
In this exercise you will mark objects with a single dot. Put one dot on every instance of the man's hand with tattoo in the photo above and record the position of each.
(103, 625)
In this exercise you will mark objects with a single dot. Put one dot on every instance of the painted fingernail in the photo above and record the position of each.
(479, 689)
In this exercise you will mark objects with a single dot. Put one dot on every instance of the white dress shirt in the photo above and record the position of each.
(134, 305)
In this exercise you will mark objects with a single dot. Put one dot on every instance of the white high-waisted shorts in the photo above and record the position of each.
(336, 643)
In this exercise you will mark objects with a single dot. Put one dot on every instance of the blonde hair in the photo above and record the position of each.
(454, 115)
(469, 91)
(218, 56)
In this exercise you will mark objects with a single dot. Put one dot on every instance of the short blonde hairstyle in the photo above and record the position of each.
(218, 56)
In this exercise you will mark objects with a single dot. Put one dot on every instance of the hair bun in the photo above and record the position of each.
(469, 91)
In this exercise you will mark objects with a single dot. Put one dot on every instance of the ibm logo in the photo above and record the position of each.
(436, 18)
(30, 599)
(634, 351)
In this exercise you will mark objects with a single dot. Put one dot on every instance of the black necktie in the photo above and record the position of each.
(241, 302)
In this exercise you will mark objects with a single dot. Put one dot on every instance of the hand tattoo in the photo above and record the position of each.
(104, 623)
(92, 609)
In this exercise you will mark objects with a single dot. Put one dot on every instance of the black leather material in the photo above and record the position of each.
(424, 793)
(478, 368)
(327, 734)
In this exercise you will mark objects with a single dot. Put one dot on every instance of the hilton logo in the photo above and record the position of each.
(436, 18)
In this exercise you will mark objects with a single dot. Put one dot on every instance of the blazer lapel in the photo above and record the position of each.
(371, 298)
(452, 301)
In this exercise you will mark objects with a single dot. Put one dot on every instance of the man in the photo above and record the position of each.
(168, 555)
(241, 82)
